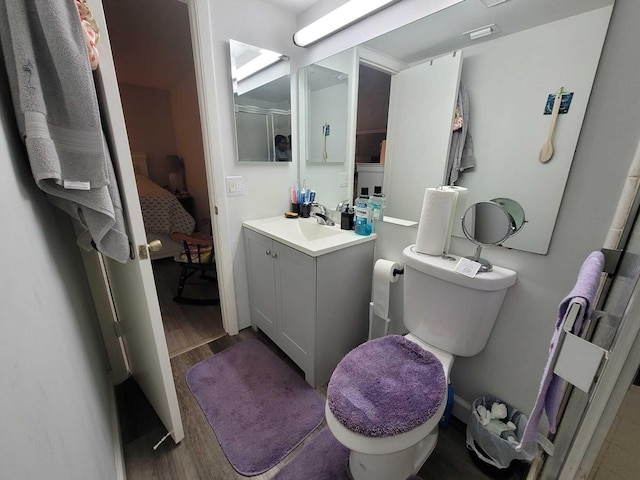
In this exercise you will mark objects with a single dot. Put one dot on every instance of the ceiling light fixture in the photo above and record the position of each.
(337, 19)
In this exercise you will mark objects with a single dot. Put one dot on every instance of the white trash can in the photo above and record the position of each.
(491, 448)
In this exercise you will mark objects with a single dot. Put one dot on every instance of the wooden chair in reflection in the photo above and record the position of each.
(197, 257)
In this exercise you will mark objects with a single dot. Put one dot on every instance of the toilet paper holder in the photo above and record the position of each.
(382, 296)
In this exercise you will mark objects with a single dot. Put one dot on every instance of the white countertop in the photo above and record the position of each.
(306, 234)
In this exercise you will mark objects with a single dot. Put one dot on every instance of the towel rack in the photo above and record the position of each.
(577, 360)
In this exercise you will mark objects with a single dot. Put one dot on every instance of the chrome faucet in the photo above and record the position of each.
(342, 206)
(323, 219)
(322, 208)
(321, 216)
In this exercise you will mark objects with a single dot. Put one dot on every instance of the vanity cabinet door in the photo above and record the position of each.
(296, 306)
(262, 282)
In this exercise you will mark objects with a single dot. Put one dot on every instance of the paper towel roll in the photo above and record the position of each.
(436, 218)
(461, 200)
(383, 277)
(457, 213)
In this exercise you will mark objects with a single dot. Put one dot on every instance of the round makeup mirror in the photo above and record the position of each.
(491, 223)
(514, 209)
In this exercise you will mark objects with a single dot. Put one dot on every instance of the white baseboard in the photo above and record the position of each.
(121, 473)
(461, 409)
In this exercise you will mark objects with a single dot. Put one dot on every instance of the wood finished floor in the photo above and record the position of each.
(199, 456)
(185, 326)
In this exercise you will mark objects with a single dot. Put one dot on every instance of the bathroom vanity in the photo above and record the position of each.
(309, 289)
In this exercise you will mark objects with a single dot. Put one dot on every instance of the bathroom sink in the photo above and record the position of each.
(306, 234)
(312, 230)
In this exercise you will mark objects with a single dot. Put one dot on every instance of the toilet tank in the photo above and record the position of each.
(449, 310)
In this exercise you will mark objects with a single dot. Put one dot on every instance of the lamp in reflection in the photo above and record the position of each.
(265, 59)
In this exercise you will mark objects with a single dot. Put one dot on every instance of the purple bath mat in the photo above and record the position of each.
(324, 458)
(258, 407)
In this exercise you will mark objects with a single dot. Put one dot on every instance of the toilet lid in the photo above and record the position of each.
(386, 386)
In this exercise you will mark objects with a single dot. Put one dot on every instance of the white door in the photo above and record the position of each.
(132, 284)
(422, 104)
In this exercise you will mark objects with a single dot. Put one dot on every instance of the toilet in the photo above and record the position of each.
(387, 396)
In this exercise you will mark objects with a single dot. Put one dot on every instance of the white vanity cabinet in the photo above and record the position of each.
(314, 308)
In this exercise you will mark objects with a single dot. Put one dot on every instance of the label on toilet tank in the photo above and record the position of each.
(467, 267)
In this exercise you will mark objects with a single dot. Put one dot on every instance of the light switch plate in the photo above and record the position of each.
(343, 179)
(235, 186)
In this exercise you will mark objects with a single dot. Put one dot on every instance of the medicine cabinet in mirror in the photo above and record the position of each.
(262, 103)
(509, 77)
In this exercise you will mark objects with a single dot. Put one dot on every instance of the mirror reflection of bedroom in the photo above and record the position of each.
(151, 43)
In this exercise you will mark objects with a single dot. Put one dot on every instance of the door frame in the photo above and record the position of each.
(620, 370)
(202, 41)
(594, 415)
(617, 377)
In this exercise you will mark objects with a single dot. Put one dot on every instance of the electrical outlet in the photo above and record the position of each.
(235, 186)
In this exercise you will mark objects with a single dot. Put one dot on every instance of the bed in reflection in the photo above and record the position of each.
(162, 213)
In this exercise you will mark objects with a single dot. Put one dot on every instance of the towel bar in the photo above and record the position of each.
(578, 361)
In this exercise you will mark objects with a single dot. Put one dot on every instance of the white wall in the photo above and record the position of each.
(55, 418)
(266, 185)
(512, 363)
(328, 106)
(517, 350)
(507, 123)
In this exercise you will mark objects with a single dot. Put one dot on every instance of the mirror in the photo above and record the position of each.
(487, 223)
(491, 223)
(326, 115)
(324, 97)
(327, 102)
(508, 83)
(262, 103)
(515, 211)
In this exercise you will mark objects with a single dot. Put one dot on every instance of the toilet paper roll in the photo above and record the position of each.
(436, 218)
(383, 277)
(457, 213)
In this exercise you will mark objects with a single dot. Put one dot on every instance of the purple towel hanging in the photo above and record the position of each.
(550, 392)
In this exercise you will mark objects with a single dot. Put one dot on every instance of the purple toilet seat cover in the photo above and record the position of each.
(386, 386)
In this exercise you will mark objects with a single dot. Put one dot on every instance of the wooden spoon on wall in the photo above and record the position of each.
(546, 152)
